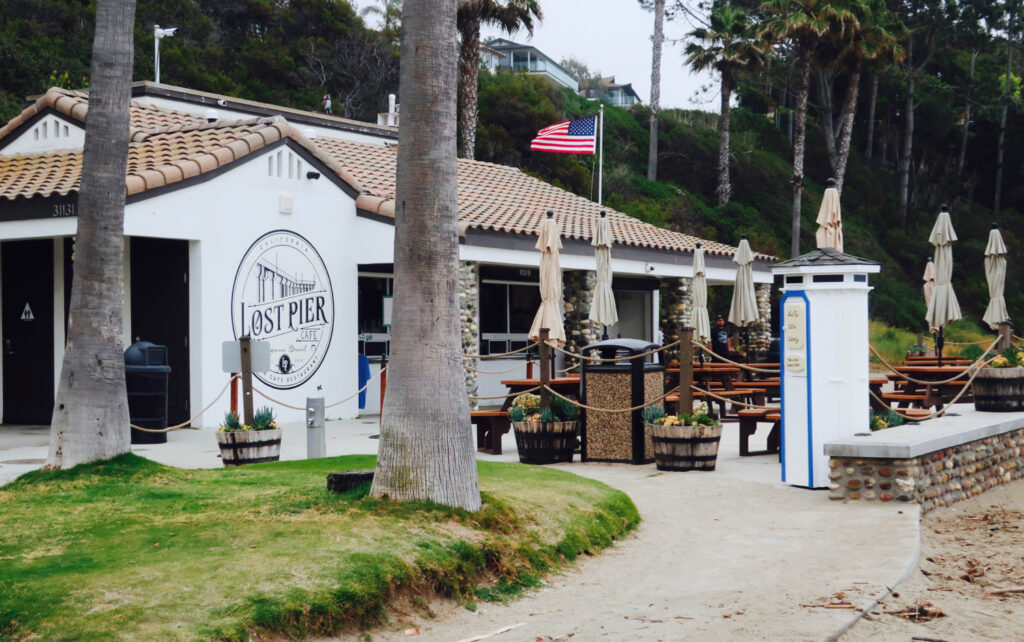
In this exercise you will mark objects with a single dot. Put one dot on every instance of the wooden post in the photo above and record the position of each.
(1005, 337)
(529, 365)
(685, 370)
(234, 393)
(246, 350)
(545, 369)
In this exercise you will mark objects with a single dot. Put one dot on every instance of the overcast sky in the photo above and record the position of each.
(614, 37)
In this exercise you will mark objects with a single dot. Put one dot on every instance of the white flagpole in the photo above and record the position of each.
(600, 161)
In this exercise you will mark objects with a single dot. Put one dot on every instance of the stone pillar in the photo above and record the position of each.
(675, 311)
(761, 333)
(578, 294)
(469, 320)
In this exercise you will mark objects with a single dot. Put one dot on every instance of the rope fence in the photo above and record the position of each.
(493, 372)
(197, 416)
(732, 401)
(508, 396)
(585, 406)
(934, 413)
(471, 355)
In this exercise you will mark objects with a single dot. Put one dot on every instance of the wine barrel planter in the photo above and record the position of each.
(999, 389)
(685, 447)
(239, 447)
(545, 443)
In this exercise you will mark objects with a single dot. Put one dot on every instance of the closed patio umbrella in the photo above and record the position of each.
(830, 220)
(943, 307)
(995, 274)
(701, 323)
(929, 281)
(602, 308)
(743, 311)
(549, 315)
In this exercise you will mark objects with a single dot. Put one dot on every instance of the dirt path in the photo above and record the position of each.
(726, 555)
(969, 551)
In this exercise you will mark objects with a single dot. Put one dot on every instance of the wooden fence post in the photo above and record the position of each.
(246, 351)
(685, 370)
(545, 369)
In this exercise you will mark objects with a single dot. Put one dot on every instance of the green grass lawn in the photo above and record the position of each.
(132, 549)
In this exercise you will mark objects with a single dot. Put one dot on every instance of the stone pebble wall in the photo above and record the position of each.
(469, 317)
(675, 311)
(578, 294)
(934, 480)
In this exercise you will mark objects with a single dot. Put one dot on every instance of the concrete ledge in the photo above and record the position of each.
(910, 441)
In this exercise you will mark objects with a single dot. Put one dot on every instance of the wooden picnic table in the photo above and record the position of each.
(928, 395)
(704, 377)
(875, 383)
(568, 386)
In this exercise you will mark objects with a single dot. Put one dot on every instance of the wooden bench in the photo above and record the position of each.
(490, 426)
(904, 400)
(916, 414)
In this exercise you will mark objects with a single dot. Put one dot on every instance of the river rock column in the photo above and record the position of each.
(675, 311)
(761, 335)
(469, 321)
(578, 294)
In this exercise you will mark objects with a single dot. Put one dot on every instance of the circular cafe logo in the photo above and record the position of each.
(282, 295)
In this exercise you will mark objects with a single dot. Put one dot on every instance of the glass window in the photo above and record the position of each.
(506, 313)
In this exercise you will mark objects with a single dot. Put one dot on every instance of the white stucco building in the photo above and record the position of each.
(244, 218)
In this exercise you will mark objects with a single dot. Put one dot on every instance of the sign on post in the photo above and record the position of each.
(245, 356)
(231, 356)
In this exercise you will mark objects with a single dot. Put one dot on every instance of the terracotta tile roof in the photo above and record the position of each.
(155, 158)
(75, 105)
(167, 147)
(501, 198)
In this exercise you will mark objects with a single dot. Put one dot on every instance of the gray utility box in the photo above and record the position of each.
(146, 376)
(619, 436)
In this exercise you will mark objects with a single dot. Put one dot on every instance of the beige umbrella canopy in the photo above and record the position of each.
(701, 324)
(929, 281)
(995, 274)
(549, 315)
(943, 307)
(602, 308)
(830, 220)
(743, 311)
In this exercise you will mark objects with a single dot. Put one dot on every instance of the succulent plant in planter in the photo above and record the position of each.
(249, 444)
(999, 387)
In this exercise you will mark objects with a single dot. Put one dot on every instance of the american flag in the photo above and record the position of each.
(570, 137)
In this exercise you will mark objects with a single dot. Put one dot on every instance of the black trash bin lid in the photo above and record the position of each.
(630, 346)
(145, 353)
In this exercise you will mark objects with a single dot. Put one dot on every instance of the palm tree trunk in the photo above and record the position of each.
(828, 128)
(908, 138)
(849, 111)
(426, 446)
(869, 149)
(724, 190)
(90, 417)
(659, 39)
(469, 70)
(967, 120)
(1002, 132)
(799, 137)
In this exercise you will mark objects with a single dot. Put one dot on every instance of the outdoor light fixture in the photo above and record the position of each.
(313, 175)
(158, 35)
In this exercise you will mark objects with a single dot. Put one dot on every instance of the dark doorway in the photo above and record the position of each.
(159, 282)
(26, 276)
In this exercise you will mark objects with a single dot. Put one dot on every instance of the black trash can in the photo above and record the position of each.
(619, 436)
(146, 376)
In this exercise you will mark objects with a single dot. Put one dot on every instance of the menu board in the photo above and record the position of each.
(795, 333)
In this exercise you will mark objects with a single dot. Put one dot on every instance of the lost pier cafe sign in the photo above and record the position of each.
(282, 295)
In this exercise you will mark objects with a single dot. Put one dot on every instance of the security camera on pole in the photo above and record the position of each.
(158, 35)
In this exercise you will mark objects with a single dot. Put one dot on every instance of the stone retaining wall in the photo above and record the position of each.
(934, 480)
(469, 317)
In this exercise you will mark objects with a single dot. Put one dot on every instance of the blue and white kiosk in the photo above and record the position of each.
(824, 358)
